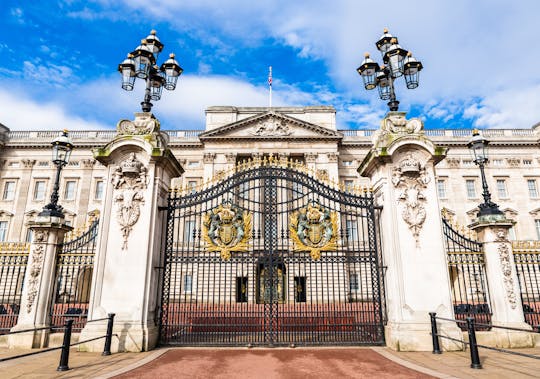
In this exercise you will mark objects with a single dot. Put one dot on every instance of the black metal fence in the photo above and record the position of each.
(13, 260)
(467, 273)
(272, 256)
(527, 260)
(74, 268)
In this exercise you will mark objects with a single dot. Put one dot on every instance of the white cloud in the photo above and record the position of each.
(50, 74)
(20, 113)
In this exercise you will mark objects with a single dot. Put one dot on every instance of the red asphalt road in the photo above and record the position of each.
(327, 363)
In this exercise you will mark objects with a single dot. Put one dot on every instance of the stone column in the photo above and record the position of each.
(502, 280)
(39, 283)
(401, 166)
(126, 275)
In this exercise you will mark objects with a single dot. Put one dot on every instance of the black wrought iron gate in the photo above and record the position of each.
(271, 256)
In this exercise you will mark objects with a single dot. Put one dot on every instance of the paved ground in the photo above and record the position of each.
(327, 363)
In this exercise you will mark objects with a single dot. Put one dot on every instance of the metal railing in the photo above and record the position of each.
(66, 344)
(527, 262)
(471, 326)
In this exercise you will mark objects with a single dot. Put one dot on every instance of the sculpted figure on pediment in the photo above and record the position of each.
(271, 127)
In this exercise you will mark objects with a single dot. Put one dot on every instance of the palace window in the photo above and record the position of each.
(527, 162)
(29, 235)
(39, 190)
(352, 230)
(187, 283)
(3, 230)
(533, 189)
(468, 163)
(497, 162)
(193, 164)
(347, 163)
(537, 226)
(98, 193)
(349, 185)
(441, 188)
(353, 282)
(9, 190)
(189, 231)
(501, 189)
(471, 188)
(192, 186)
(69, 191)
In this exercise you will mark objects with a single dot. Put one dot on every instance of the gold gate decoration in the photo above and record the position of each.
(314, 228)
(226, 229)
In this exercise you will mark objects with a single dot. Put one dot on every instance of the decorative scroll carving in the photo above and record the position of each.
(411, 178)
(311, 157)
(208, 157)
(144, 123)
(504, 257)
(271, 127)
(38, 254)
(332, 157)
(88, 163)
(314, 229)
(452, 162)
(396, 123)
(130, 179)
(227, 229)
(28, 163)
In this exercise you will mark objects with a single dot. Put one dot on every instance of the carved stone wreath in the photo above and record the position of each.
(129, 179)
(411, 178)
(143, 124)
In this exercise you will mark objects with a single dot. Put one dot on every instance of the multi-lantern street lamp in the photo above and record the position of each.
(61, 152)
(141, 63)
(397, 62)
(478, 146)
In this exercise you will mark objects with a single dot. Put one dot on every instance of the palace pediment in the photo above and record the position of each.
(270, 125)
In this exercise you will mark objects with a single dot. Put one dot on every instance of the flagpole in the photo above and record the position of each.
(270, 85)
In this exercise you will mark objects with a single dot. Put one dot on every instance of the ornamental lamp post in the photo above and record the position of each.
(397, 62)
(61, 152)
(141, 63)
(478, 146)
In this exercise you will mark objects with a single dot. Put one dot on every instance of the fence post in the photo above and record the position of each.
(475, 358)
(435, 334)
(108, 338)
(64, 357)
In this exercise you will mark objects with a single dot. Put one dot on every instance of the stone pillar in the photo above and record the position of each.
(127, 264)
(39, 283)
(502, 280)
(401, 166)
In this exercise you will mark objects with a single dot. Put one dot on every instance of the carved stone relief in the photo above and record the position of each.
(88, 163)
(143, 124)
(311, 157)
(129, 180)
(38, 254)
(506, 267)
(209, 157)
(332, 157)
(411, 178)
(452, 162)
(396, 123)
(271, 127)
(28, 163)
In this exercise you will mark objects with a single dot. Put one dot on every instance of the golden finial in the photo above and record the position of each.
(385, 30)
(264, 161)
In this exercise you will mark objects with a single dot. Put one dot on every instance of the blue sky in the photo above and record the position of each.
(59, 59)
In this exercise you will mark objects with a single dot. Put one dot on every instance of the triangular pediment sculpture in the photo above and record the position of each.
(270, 125)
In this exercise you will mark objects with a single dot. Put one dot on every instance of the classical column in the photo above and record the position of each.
(503, 285)
(401, 166)
(208, 161)
(126, 274)
(39, 283)
(86, 187)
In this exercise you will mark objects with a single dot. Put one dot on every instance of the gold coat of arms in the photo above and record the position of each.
(226, 229)
(314, 229)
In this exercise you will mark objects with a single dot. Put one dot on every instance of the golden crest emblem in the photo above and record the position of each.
(226, 229)
(314, 229)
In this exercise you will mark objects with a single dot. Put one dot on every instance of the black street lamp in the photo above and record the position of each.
(141, 63)
(398, 62)
(479, 149)
(61, 153)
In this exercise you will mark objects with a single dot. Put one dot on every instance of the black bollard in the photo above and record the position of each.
(435, 334)
(108, 337)
(64, 357)
(475, 358)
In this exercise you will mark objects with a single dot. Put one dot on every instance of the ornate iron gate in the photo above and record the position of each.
(74, 266)
(468, 280)
(271, 256)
